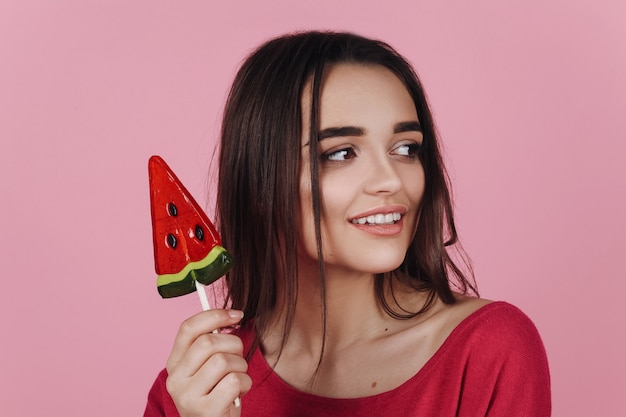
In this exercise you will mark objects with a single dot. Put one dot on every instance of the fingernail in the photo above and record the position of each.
(235, 314)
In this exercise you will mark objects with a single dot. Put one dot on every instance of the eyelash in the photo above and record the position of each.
(413, 152)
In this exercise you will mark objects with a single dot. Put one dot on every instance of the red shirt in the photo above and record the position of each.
(492, 364)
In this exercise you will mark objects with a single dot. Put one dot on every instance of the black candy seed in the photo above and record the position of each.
(199, 232)
(172, 210)
(171, 241)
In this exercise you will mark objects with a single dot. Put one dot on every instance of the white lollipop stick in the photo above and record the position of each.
(204, 301)
(203, 298)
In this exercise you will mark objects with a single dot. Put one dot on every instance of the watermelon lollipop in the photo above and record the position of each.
(187, 248)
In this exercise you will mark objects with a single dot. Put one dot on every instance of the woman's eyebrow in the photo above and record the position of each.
(333, 132)
(412, 126)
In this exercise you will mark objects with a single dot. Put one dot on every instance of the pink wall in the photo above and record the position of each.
(528, 96)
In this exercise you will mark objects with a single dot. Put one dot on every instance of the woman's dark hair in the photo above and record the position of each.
(258, 191)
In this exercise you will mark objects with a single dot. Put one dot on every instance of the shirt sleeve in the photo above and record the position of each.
(160, 403)
(509, 371)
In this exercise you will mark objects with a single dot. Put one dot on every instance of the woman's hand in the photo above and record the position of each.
(206, 370)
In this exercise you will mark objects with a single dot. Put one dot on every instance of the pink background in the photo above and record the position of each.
(529, 97)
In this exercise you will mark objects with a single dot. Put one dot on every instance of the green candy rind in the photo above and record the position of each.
(205, 271)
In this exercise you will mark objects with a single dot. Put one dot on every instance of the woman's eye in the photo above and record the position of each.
(408, 149)
(339, 155)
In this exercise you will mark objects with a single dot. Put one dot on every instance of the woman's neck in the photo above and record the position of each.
(353, 312)
(357, 330)
(351, 308)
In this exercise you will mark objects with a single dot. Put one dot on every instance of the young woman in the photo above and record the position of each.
(334, 201)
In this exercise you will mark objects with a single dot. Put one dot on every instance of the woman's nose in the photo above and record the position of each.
(382, 176)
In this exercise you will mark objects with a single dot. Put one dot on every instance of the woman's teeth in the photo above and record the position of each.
(389, 218)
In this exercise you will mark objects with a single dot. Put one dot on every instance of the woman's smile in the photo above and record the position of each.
(390, 218)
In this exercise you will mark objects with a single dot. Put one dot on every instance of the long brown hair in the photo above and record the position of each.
(257, 199)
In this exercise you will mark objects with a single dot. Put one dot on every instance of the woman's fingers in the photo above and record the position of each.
(223, 373)
(202, 323)
(212, 390)
(206, 370)
(219, 402)
(223, 378)
(207, 347)
(231, 387)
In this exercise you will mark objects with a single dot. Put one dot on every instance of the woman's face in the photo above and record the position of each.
(371, 178)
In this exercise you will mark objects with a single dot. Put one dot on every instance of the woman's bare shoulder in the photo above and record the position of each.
(449, 316)
(466, 305)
